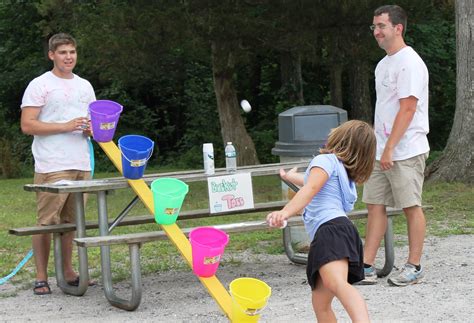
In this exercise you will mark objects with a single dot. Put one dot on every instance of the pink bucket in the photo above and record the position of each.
(208, 246)
(104, 118)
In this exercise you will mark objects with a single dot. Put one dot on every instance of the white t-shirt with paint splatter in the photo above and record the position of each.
(60, 100)
(400, 76)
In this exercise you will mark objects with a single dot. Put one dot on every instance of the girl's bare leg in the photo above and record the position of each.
(322, 300)
(334, 278)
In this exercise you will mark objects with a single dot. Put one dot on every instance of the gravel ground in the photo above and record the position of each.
(446, 293)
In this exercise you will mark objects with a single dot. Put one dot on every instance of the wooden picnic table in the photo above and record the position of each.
(100, 187)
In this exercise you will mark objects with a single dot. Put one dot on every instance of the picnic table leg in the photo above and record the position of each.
(116, 301)
(388, 245)
(290, 252)
(82, 253)
(389, 250)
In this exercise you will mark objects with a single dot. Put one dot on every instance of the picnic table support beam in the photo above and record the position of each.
(389, 250)
(82, 254)
(124, 213)
(113, 299)
(300, 258)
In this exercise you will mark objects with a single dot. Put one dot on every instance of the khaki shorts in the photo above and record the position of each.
(56, 208)
(401, 186)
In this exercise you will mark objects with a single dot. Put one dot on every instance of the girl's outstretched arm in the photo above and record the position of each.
(293, 176)
(316, 180)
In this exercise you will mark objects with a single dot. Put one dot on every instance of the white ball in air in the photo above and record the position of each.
(245, 105)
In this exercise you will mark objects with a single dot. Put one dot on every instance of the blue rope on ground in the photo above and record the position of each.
(30, 253)
(17, 268)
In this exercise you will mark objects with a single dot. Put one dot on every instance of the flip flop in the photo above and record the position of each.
(75, 282)
(41, 284)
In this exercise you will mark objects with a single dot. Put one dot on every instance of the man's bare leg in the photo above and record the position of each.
(416, 224)
(41, 248)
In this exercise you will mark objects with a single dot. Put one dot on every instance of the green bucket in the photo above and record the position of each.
(168, 196)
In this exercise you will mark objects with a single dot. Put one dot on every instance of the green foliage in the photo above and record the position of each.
(434, 154)
(201, 121)
(154, 58)
(435, 41)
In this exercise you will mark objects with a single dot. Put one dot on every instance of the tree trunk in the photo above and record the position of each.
(232, 124)
(456, 162)
(291, 78)
(361, 107)
(336, 85)
(359, 74)
(336, 67)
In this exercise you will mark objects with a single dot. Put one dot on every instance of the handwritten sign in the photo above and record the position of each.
(230, 192)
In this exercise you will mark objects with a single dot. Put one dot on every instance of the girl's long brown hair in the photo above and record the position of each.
(353, 143)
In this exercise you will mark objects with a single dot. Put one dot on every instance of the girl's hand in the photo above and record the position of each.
(287, 175)
(292, 176)
(278, 219)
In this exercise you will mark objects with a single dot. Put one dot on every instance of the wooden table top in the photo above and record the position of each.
(113, 183)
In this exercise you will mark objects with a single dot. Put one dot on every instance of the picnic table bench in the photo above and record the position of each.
(102, 186)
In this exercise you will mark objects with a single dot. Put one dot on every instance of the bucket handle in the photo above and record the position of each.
(149, 156)
(255, 312)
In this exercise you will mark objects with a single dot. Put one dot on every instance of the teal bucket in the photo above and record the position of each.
(136, 151)
(168, 197)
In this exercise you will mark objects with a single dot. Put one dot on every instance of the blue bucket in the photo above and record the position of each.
(136, 151)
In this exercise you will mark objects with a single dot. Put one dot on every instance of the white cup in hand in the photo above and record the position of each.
(273, 225)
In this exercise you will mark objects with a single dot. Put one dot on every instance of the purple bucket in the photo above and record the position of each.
(104, 118)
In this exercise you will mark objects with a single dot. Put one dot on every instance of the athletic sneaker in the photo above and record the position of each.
(408, 275)
(370, 276)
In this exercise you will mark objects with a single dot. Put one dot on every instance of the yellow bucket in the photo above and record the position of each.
(249, 298)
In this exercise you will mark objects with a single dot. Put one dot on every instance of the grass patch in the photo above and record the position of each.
(452, 213)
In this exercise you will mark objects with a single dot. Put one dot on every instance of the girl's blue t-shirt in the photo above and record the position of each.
(336, 197)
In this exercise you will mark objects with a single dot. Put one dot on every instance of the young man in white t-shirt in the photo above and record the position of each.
(401, 128)
(54, 111)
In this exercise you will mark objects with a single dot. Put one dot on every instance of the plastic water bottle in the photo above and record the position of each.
(208, 156)
(230, 158)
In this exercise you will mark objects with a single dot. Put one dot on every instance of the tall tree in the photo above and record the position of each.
(336, 66)
(215, 23)
(349, 45)
(456, 162)
(359, 75)
(22, 58)
(291, 78)
(232, 124)
(290, 28)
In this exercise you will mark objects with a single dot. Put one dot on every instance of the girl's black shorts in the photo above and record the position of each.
(334, 240)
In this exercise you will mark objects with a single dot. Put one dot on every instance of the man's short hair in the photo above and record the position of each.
(396, 14)
(60, 39)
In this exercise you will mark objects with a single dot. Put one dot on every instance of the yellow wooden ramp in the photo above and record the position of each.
(174, 233)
